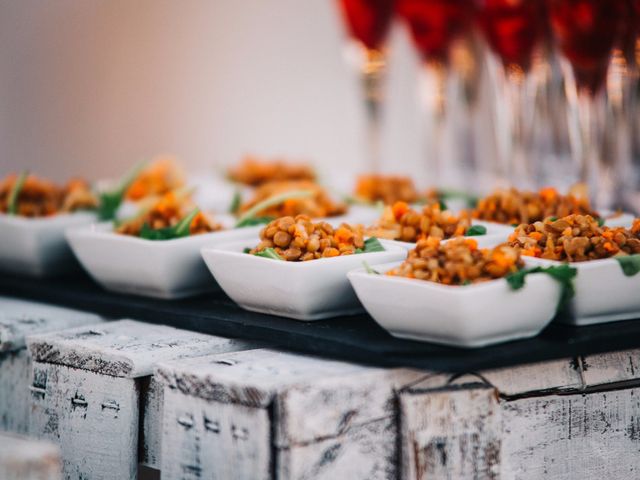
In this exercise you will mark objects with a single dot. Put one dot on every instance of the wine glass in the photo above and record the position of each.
(368, 23)
(513, 30)
(438, 29)
(586, 32)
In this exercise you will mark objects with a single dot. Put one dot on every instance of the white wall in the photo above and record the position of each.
(90, 86)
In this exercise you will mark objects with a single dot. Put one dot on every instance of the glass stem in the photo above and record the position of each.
(373, 85)
(433, 92)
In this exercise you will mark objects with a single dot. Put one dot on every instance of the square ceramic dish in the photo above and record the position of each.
(163, 269)
(603, 292)
(496, 234)
(310, 290)
(36, 246)
(461, 316)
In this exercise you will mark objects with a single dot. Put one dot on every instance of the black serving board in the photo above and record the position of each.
(357, 338)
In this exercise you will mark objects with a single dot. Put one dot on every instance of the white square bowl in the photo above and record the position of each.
(603, 292)
(310, 290)
(37, 247)
(461, 316)
(496, 234)
(165, 269)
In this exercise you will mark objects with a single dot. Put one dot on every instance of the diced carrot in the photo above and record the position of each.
(399, 209)
(343, 235)
(548, 194)
(535, 235)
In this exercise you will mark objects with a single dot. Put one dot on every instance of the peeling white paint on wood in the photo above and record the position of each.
(123, 349)
(564, 437)
(452, 433)
(326, 419)
(613, 367)
(26, 459)
(20, 318)
(93, 418)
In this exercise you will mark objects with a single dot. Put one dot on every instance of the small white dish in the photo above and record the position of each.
(603, 292)
(165, 269)
(496, 234)
(613, 219)
(37, 246)
(462, 316)
(310, 290)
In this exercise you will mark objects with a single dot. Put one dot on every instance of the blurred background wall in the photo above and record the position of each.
(88, 87)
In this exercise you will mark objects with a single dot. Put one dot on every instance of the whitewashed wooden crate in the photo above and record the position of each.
(91, 389)
(264, 414)
(19, 318)
(564, 420)
(26, 459)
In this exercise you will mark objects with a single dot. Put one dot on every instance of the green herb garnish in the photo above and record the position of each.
(601, 221)
(268, 253)
(563, 274)
(12, 207)
(476, 230)
(251, 222)
(470, 200)
(179, 230)
(270, 202)
(110, 201)
(369, 270)
(630, 264)
(235, 202)
(443, 205)
(371, 245)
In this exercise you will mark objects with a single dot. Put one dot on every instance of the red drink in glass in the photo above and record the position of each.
(434, 24)
(586, 32)
(512, 28)
(368, 21)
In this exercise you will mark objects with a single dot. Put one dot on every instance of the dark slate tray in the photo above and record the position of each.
(357, 338)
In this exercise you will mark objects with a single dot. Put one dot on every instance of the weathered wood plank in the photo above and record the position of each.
(327, 419)
(92, 417)
(564, 437)
(452, 433)
(125, 348)
(26, 459)
(612, 367)
(20, 318)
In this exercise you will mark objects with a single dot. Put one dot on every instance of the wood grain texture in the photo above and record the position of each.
(15, 373)
(612, 367)
(565, 437)
(26, 459)
(453, 433)
(324, 419)
(20, 318)
(125, 348)
(92, 417)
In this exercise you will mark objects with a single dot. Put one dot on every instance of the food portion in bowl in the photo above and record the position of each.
(30, 196)
(299, 239)
(159, 177)
(318, 204)
(575, 238)
(173, 216)
(401, 222)
(513, 207)
(387, 189)
(458, 262)
(254, 171)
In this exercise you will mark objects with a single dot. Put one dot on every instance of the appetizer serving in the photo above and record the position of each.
(408, 225)
(457, 294)
(513, 207)
(161, 176)
(156, 253)
(298, 269)
(255, 172)
(385, 188)
(607, 260)
(34, 214)
(317, 205)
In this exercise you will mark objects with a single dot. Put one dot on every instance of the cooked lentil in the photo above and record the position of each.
(386, 188)
(255, 171)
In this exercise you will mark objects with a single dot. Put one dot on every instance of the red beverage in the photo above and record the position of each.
(434, 24)
(512, 28)
(586, 32)
(368, 21)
